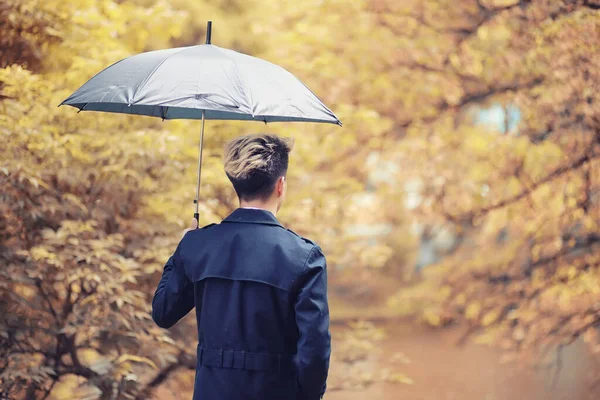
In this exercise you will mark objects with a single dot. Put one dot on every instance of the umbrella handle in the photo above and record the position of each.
(197, 199)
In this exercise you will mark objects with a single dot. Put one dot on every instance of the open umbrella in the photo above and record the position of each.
(201, 82)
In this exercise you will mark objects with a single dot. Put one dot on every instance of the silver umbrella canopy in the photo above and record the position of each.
(201, 82)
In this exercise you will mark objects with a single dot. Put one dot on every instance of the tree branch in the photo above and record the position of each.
(534, 186)
(38, 284)
(184, 360)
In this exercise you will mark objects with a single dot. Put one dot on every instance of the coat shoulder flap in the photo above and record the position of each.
(303, 238)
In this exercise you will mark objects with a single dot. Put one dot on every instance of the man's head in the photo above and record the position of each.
(257, 166)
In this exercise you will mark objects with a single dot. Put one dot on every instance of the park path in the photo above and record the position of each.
(441, 370)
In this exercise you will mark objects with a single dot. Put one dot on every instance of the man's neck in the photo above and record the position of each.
(262, 205)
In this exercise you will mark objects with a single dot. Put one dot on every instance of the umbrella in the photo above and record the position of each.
(203, 82)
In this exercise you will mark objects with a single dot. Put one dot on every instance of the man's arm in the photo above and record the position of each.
(312, 318)
(174, 296)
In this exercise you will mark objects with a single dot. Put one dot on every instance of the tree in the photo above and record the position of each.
(92, 203)
(92, 200)
(87, 205)
(524, 205)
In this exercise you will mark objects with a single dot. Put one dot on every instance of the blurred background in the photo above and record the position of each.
(458, 206)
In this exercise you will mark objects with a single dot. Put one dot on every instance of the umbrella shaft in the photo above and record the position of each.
(197, 200)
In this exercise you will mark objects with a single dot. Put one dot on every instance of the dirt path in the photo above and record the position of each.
(443, 371)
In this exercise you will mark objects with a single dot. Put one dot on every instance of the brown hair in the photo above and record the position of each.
(253, 163)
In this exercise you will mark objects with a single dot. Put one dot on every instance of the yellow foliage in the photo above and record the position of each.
(92, 204)
(432, 317)
(130, 357)
(473, 310)
(72, 387)
(489, 318)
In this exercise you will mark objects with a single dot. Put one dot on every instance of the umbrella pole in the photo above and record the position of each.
(197, 199)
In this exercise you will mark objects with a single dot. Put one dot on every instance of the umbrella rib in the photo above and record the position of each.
(98, 73)
(249, 92)
(154, 71)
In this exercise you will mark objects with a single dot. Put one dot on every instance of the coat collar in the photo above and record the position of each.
(253, 216)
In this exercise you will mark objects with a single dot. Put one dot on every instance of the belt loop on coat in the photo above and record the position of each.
(228, 357)
(199, 354)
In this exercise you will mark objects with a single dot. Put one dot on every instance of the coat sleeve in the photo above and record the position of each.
(174, 296)
(312, 319)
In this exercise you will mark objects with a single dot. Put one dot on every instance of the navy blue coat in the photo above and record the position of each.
(260, 293)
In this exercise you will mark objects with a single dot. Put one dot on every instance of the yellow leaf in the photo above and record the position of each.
(486, 338)
(130, 357)
(401, 378)
(490, 317)
(504, 3)
(432, 317)
(473, 310)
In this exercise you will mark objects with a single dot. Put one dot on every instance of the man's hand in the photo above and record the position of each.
(193, 225)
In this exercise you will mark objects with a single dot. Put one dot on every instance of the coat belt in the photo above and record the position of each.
(237, 359)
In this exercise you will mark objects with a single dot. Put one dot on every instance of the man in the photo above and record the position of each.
(260, 291)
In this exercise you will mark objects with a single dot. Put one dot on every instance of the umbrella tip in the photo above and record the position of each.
(208, 32)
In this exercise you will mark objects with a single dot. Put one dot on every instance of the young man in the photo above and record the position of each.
(260, 291)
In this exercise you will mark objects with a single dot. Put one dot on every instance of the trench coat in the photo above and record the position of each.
(260, 293)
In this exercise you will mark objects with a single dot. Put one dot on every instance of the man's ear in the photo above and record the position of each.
(280, 185)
